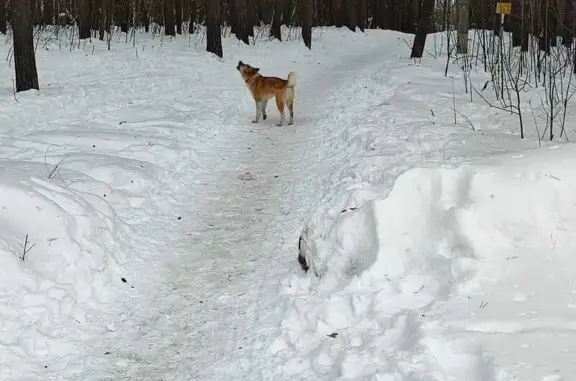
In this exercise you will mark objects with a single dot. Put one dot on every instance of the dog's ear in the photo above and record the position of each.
(256, 70)
(240, 63)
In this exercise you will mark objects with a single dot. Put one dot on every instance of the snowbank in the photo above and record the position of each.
(413, 260)
(59, 249)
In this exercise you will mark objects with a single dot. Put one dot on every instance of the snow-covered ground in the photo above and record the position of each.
(164, 227)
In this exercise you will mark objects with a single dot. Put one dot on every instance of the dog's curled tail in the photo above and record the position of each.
(291, 79)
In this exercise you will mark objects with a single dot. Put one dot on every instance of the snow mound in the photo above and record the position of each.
(385, 268)
(71, 255)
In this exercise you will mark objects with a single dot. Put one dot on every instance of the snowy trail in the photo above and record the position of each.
(258, 183)
(166, 243)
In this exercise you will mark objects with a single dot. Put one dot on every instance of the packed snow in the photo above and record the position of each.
(150, 231)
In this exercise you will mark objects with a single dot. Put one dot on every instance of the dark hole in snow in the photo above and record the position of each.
(124, 280)
(179, 218)
(106, 353)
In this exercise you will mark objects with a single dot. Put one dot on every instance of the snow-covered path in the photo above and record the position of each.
(241, 218)
(166, 242)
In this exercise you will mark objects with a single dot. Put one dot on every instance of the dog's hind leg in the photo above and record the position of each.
(280, 104)
(258, 111)
(290, 104)
(263, 108)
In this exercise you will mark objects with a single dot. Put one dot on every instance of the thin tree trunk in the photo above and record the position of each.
(193, 16)
(276, 27)
(240, 21)
(178, 14)
(47, 13)
(351, 8)
(84, 31)
(250, 17)
(362, 14)
(425, 12)
(24, 58)
(287, 12)
(213, 32)
(3, 16)
(102, 26)
(462, 43)
(143, 15)
(306, 9)
(169, 29)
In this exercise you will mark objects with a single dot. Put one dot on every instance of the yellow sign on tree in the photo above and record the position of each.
(504, 8)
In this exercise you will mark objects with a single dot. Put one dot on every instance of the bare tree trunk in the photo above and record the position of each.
(102, 25)
(287, 9)
(193, 16)
(121, 8)
(362, 14)
(240, 21)
(178, 14)
(569, 23)
(338, 13)
(275, 28)
(169, 29)
(515, 23)
(250, 17)
(425, 12)
(306, 9)
(143, 15)
(47, 13)
(24, 58)
(213, 32)
(351, 8)
(462, 43)
(525, 26)
(3, 16)
(85, 19)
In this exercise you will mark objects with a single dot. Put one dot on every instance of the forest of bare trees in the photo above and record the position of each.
(537, 47)
(542, 19)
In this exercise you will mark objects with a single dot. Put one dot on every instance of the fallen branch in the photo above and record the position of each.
(25, 248)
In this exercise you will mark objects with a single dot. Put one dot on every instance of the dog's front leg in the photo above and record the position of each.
(258, 111)
(263, 107)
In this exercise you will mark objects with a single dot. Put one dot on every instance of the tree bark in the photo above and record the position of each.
(47, 13)
(24, 58)
(193, 16)
(362, 14)
(240, 21)
(287, 10)
(3, 16)
(213, 32)
(143, 15)
(84, 30)
(169, 22)
(276, 27)
(306, 16)
(425, 11)
(462, 42)
(178, 14)
(351, 8)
